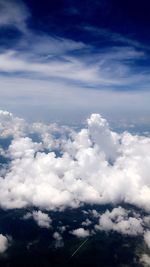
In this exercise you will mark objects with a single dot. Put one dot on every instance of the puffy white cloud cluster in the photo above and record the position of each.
(94, 165)
(145, 260)
(41, 218)
(10, 125)
(58, 240)
(119, 220)
(3, 243)
(87, 222)
(80, 232)
(14, 127)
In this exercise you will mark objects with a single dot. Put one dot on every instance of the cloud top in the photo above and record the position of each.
(52, 167)
(42, 219)
(3, 243)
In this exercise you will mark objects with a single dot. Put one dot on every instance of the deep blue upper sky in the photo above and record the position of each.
(70, 18)
(109, 26)
(61, 52)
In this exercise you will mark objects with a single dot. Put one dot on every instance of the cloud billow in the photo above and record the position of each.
(94, 166)
(3, 243)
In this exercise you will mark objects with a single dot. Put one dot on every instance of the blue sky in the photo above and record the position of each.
(62, 60)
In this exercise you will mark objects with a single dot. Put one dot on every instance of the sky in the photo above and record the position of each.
(95, 179)
(73, 76)
(63, 60)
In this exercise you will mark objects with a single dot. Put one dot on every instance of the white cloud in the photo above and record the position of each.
(45, 47)
(146, 220)
(63, 168)
(145, 260)
(102, 136)
(87, 77)
(38, 57)
(68, 68)
(94, 165)
(41, 218)
(94, 213)
(28, 148)
(86, 223)
(58, 240)
(57, 236)
(3, 243)
(10, 125)
(119, 221)
(80, 232)
(40, 99)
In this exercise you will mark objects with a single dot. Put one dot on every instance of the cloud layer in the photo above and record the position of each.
(53, 167)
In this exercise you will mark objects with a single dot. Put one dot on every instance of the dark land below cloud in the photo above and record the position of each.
(35, 246)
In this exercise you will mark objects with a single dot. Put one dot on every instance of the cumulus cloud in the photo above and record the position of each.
(53, 168)
(80, 232)
(145, 260)
(86, 223)
(102, 136)
(10, 125)
(41, 218)
(58, 240)
(3, 243)
(119, 221)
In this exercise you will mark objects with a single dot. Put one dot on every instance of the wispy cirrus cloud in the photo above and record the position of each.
(14, 14)
(49, 56)
(111, 36)
(64, 72)
(104, 69)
